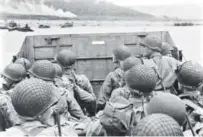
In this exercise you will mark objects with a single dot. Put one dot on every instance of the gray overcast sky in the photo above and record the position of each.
(175, 8)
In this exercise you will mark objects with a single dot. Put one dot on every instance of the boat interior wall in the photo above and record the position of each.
(94, 51)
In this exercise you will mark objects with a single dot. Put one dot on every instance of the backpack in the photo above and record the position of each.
(118, 116)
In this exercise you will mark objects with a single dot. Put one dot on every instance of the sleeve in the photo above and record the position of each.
(115, 94)
(74, 108)
(66, 130)
(105, 91)
(83, 90)
(95, 129)
(8, 111)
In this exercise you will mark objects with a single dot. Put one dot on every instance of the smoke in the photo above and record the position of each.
(32, 7)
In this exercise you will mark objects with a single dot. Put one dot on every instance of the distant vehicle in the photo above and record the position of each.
(22, 29)
(183, 24)
(44, 26)
(67, 24)
(12, 25)
(3, 27)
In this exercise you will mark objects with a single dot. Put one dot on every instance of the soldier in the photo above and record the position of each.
(45, 70)
(33, 100)
(190, 75)
(157, 125)
(140, 80)
(125, 91)
(23, 61)
(12, 74)
(166, 49)
(114, 79)
(164, 65)
(79, 84)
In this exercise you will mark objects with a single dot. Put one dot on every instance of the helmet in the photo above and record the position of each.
(142, 78)
(26, 63)
(43, 69)
(166, 48)
(157, 125)
(130, 62)
(58, 70)
(66, 58)
(32, 97)
(190, 74)
(15, 72)
(162, 103)
(121, 52)
(152, 43)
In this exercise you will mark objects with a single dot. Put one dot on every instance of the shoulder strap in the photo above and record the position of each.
(159, 76)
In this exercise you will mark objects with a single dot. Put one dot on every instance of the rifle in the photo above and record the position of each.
(57, 122)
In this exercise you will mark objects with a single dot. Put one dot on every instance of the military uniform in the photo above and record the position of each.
(79, 84)
(67, 104)
(164, 65)
(134, 96)
(82, 90)
(14, 73)
(113, 81)
(33, 100)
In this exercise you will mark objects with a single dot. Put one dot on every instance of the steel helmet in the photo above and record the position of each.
(66, 58)
(142, 78)
(58, 70)
(32, 97)
(15, 72)
(190, 74)
(43, 69)
(121, 52)
(166, 48)
(157, 125)
(168, 104)
(130, 62)
(153, 43)
(25, 62)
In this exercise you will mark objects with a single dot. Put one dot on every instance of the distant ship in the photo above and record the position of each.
(183, 24)
(26, 28)
(43, 26)
(67, 24)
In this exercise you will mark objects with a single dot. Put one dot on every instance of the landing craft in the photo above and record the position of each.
(44, 26)
(93, 49)
(26, 28)
(67, 24)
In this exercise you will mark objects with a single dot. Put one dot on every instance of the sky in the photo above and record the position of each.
(192, 9)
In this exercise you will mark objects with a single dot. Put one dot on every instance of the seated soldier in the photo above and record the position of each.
(164, 65)
(114, 79)
(33, 100)
(157, 125)
(141, 79)
(128, 63)
(190, 75)
(11, 75)
(45, 71)
(79, 84)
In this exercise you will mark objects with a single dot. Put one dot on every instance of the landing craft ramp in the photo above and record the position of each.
(93, 50)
